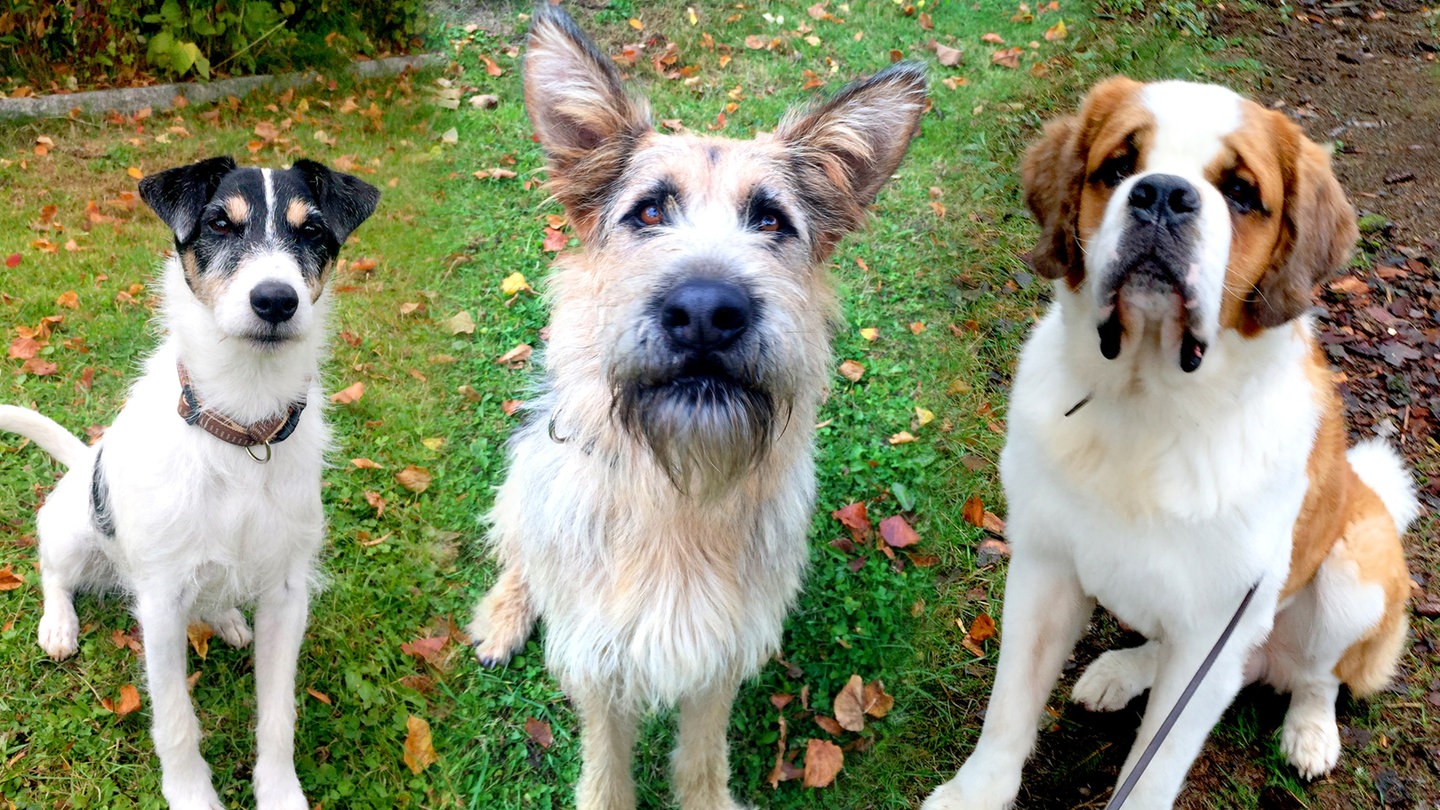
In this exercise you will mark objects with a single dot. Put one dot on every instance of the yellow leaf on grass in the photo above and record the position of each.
(869, 333)
(419, 747)
(1056, 32)
(903, 437)
(433, 442)
(924, 416)
(199, 634)
(513, 284)
(135, 173)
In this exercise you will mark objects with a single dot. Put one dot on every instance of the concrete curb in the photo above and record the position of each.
(161, 96)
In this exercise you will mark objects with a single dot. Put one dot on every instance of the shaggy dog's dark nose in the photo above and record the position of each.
(705, 315)
(274, 301)
(1164, 199)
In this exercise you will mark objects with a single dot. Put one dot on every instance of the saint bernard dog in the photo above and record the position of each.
(1175, 439)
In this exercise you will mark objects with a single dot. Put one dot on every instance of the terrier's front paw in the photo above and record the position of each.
(279, 791)
(59, 631)
(232, 627)
(1312, 745)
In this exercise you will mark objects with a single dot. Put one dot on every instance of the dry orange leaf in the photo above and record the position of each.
(903, 437)
(823, 760)
(982, 628)
(348, 394)
(852, 370)
(419, 747)
(318, 695)
(973, 511)
(1007, 57)
(831, 727)
(948, 56)
(68, 299)
(993, 38)
(365, 464)
(877, 704)
(9, 580)
(128, 703)
(517, 356)
(416, 479)
(850, 703)
(135, 173)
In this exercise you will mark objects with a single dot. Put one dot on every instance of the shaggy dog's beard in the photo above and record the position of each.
(705, 432)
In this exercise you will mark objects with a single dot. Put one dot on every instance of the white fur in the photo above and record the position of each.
(1380, 467)
(201, 527)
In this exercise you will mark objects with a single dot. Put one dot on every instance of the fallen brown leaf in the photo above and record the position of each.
(897, 533)
(850, 704)
(128, 703)
(416, 479)
(539, 732)
(419, 747)
(823, 760)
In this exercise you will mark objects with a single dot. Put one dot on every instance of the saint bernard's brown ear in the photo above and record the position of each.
(1317, 235)
(1053, 177)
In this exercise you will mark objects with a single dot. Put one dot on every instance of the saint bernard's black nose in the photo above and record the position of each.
(274, 301)
(1164, 199)
(704, 315)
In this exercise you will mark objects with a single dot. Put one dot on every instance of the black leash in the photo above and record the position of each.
(1123, 792)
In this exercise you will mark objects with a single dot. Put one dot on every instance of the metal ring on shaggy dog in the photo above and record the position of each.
(251, 450)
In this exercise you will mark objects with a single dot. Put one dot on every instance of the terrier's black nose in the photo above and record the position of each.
(1164, 199)
(274, 301)
(705, 315)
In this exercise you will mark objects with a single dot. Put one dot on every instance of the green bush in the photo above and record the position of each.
(85, 42)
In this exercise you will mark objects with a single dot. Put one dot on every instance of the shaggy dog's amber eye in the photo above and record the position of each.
(650, 214)
(768, 223)
(221, 225)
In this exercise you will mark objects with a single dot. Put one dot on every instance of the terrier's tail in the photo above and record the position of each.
(1381, 468)
(44, 431)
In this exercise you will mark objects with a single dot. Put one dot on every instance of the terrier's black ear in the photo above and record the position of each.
(178, 195)
(345, 201)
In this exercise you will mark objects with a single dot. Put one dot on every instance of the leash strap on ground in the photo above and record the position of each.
(1123, 792)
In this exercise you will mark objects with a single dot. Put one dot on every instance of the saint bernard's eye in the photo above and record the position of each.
(1115, 169)
(1242, 195)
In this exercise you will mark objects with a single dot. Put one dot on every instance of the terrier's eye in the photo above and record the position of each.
(312, 229)
(768, 222)
(220, 224)
(1242, 195)
(649, 213)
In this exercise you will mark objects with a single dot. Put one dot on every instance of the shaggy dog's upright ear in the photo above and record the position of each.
(585, 120)
(178, 195)
(344, 201)
(844, 149)
(1318, 230)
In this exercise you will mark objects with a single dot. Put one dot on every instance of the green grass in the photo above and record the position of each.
(444, 240)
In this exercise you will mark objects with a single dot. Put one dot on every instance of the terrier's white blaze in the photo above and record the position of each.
(269, 204)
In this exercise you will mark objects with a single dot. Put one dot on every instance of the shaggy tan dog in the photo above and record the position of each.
(658, 497)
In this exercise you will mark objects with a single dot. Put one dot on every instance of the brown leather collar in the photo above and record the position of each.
(265, 432)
